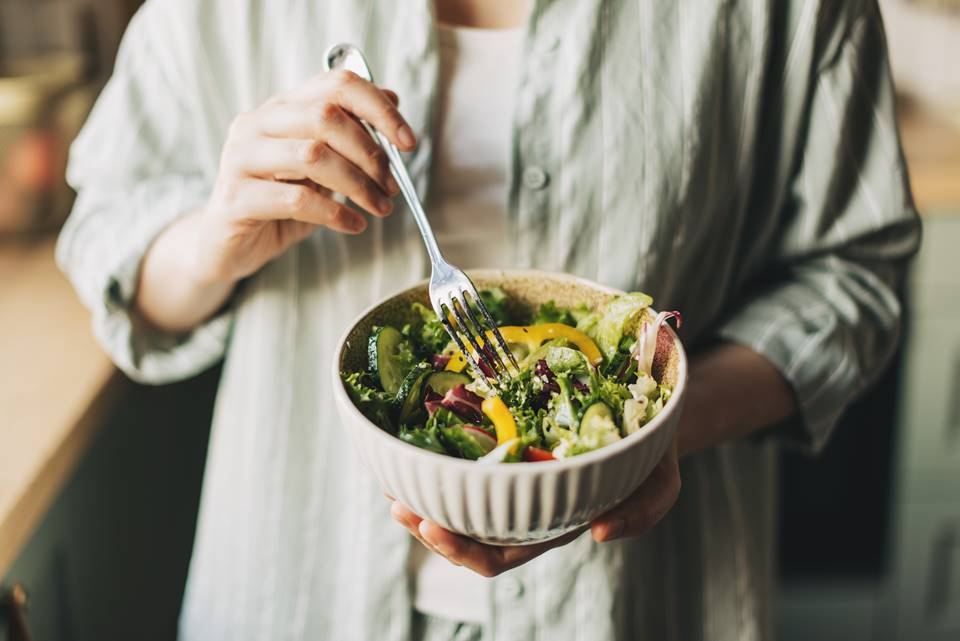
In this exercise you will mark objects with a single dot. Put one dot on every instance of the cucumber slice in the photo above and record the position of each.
(598, 411)
(616, 364)
(388, 355)
(482, 437)
(441, 382)
(410, 393)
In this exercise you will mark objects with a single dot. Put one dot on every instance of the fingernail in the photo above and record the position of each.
(395, 511)
(392, 186)
(422, 528)
(385, 205)
(405, 134)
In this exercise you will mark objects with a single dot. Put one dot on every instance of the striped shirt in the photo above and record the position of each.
(738, 161)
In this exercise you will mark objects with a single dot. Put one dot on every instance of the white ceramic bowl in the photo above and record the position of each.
(509, 503)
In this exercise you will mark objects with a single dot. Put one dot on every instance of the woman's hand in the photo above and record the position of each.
(282, 162)
(632, 518)
(280, 166)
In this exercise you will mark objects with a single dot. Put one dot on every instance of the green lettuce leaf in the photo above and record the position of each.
(596, 434)
(429, 436)
(427, 334)
(559, 357)
(465, 444)
(616, 318)
(495, 300)
(550, 313)
(422, 437)
(374, 403)
(562, 407)
(610, 392)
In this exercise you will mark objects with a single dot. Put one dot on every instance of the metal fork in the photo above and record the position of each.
(451, 290)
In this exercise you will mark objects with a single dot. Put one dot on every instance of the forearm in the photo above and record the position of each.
(173, 294)
(733, 391)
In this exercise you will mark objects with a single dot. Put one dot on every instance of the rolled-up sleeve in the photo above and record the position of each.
(135, 168)
(830, 319)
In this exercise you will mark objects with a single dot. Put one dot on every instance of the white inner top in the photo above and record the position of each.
(468, 209)
(479, 73)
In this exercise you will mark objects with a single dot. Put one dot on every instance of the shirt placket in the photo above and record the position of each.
(534, 148)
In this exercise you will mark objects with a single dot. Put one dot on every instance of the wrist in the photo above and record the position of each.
(692, 421)
(205, 264)
(179, 286)
(732, 392)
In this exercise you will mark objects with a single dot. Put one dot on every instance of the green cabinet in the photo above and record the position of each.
(109, 560)
(921, 601)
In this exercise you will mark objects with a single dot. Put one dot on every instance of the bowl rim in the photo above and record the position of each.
(581, 460)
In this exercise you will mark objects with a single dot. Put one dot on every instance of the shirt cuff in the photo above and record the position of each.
(104, 259)
(806, 341)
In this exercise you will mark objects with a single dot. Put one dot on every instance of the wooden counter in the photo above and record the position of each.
(54, 382)
(931, 144)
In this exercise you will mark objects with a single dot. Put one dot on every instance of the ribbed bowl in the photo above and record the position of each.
(509, 504)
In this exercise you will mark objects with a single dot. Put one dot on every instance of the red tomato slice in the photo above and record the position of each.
(534, 454)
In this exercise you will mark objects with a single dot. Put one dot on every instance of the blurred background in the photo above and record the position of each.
(100, 478)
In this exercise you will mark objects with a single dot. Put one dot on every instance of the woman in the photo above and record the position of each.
(739, 161)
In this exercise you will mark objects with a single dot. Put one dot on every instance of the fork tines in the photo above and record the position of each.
(484, 357)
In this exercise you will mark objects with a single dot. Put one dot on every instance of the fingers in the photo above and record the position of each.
(290, 159)
(270, 200)
(411, 521)
(645, 507)
(363, 99)
(329, 123)
(486, 560)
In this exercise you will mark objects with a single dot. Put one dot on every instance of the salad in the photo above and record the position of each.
(585, 381)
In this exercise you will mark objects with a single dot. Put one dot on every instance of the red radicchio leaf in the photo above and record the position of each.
(542, 369)
(463, 403)
(550, 386)
(439, 361)
(486, 369)
(432, 401)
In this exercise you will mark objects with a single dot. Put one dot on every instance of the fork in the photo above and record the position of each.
(451, 290)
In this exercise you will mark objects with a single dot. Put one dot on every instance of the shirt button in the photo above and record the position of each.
(535, 178)
(510, 588)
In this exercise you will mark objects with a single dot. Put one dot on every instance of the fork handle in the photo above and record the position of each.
(349, 57)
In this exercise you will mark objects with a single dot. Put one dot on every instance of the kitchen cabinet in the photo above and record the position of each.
(922, 597)
(913, 592)
(109, 558)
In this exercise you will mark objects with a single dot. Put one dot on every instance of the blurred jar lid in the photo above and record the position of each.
(28, 84)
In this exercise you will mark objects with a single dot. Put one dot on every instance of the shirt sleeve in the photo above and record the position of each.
(134, 172)
(829, 319)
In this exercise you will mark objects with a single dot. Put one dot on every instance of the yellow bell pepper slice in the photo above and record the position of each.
(456, 363)
(496, 410)
(532, 336)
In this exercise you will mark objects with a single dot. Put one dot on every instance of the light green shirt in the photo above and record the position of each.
(738, 161)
